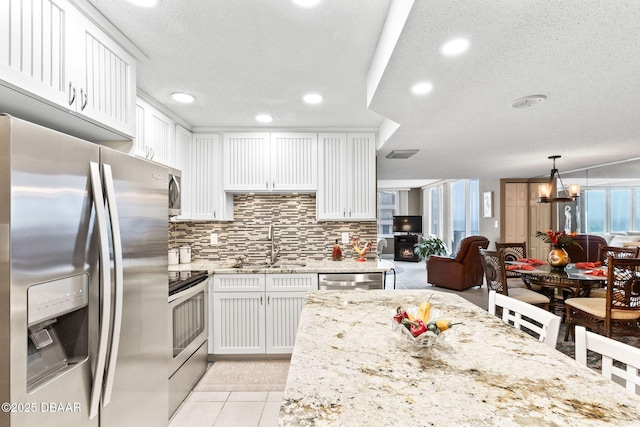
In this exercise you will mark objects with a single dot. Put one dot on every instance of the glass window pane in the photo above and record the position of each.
(435, 211)
(387, 208)
(620, 210)
(595, 211)
(474, 207)
(458, 213)
(637, 211)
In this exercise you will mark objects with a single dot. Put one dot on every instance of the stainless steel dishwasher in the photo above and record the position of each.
(344, 281)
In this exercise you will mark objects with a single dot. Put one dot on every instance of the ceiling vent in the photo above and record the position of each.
(400, 154)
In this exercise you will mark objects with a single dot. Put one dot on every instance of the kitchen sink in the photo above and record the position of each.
(252, 266)
(288, 266)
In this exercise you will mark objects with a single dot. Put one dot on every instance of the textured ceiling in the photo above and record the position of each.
(244, 57)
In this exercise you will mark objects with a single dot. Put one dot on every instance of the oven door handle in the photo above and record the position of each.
(188, 293)
(105, 283)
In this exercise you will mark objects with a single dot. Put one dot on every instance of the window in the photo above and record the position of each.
(620, 210)
(458, 213)
(595, 210)
(612, 210)
(435, 211)
(388, 206)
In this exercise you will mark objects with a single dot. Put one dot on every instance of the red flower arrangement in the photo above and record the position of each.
(559, 239)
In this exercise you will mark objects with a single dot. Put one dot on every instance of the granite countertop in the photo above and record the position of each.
(327, 266)
(348, 368)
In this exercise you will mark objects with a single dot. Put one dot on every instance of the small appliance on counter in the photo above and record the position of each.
(185, 254)
(173, 257)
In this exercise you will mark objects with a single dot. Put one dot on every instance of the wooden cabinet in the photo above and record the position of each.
(203, 195)
(257, 313)
(347, 176)
(263, 162)
(56, 54)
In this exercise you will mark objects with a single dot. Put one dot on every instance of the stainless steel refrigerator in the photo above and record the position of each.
(83, 283)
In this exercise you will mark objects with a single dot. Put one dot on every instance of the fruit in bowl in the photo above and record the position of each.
(421, 325)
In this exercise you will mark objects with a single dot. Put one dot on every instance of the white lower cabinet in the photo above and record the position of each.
(257, 313)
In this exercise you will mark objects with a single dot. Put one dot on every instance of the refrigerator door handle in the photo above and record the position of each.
(105, 282)
(119, 282)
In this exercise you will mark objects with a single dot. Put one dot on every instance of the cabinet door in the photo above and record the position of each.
(183, 138)
(294, 161)
(160, 136)
(205, 198)
(247, 162)
(33, 47)
(239, 326)
(283, 315)
(331, 198)
(105, 78)
(139, 144)
(361, 184)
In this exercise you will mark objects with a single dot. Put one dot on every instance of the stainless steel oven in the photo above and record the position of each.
(188, 313)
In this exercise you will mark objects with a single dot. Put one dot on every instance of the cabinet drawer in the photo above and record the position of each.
(238, 282)
(292, 282)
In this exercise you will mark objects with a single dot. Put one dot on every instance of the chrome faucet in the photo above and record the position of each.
(275, 250)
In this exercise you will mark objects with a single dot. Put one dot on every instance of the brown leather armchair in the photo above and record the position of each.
(589, 250)
(462, 272)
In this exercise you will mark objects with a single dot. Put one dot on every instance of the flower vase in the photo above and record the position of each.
(558, 258)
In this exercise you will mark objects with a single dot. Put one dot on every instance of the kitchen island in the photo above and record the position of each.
(348, 368)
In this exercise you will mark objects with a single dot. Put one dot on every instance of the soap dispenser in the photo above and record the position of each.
(336, 255)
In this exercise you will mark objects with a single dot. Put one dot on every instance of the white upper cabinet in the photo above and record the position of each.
(34, 48)
(52, 52)
(155, 135)
(262, 162)
(294, 161)
(347, 176)
(105, 77)
(203, 195)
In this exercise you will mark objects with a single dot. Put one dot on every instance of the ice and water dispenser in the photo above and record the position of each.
(57, 334)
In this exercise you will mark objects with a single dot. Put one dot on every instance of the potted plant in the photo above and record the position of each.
(427, 246)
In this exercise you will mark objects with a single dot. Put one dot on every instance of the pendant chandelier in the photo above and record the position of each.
(545, 190)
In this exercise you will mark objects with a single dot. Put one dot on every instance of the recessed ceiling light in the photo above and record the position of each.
(455, 47)
(264, 118)
(145, 3)
(185, 98)
(312, 98)
(422, 88)
(306, 3)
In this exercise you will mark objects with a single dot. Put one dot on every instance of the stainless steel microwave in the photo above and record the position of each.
(175, 204)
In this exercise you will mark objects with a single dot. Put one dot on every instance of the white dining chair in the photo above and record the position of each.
(521, 314)
(611, 351)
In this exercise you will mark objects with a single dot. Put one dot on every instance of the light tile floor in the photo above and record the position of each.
(229, 409)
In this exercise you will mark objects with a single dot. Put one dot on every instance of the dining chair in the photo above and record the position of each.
(513, 252)
(603, 254)
(525, 316)
(495, 275)
(619, 313)
(614, 353)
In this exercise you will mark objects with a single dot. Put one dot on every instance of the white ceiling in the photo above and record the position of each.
(244, 57)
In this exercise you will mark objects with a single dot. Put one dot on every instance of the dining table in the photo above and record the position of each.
(352, 366)
(574, 280)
